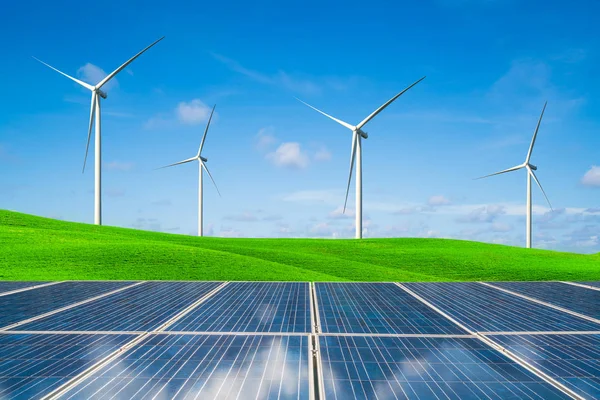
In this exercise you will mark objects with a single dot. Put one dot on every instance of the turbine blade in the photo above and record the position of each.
(354, 139)
(502, 172)
(85, 85)
(211, 178)
(347, 125)
(180, 162)
(92, 113)
(116, 71)
(540, 185)
(535, 134)
(380, 109)
(206, 130)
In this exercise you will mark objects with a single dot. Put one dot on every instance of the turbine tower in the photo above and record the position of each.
(201, 161)
(97, 92)
(530, 174)
(357, 135)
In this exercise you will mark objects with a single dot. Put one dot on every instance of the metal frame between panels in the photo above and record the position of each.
(26, 288)
(501, 349)
(581, 285)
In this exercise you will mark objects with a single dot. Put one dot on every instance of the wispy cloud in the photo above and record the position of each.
(93, 74)
(289, 155)
(438, 201)
(244, 217)
(281, 78)
(592, 177)
(313, 196)
(162, 202)
(115, 192)
(265, 138)
(119, 166)
(322, 154)
(193, 112)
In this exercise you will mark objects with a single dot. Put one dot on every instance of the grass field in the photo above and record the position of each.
(36, 248)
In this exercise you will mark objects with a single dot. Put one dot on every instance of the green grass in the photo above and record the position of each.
(35, 248)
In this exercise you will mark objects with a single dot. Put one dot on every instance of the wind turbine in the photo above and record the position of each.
(530, 174)
(201, 161)
(357, 135)
(97, 92)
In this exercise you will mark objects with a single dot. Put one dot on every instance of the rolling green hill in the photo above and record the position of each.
(36, 248)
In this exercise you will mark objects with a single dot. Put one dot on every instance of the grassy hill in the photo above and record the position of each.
(36, 248)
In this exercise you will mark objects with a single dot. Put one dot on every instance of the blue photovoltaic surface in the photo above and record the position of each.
(573, 298)
(140, 308)
(32, 366)
(30, 303)
(8, 286)
(573, 360)
(377, 308)
(252, 307)
(204, 367)
(366, 367)
(485, 309)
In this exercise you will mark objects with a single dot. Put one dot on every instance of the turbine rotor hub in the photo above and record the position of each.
(101, 93)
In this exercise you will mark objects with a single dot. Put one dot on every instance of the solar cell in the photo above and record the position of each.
(367, 367)
(204, 367)
(252, 307)
(32, 366)
(377, 308)
(573, 298)
(30, 303)
(573, 360)
(141, 308)
(485, 309)
(8, 286)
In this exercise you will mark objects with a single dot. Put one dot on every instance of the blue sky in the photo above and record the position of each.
(280, 166)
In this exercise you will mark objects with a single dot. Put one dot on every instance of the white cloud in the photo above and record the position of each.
(438, 201)
(592, 177)
(482, 214)
(230, 232)
(289, 155)
(322, 154)
(244, 217)
(193, 113)
(501, 227)
(93, 74)
(339, 214)
(265, 138)
(119, 166)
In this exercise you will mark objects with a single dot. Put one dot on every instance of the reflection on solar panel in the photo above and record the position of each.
(591, 283)
(573, 298)
(204, 367)
(7, 286)
(485, 309)
(424, 368)
(377, 308)
(140, 308)
(252, 307)
(30, 303)
(31, 366)
(573, 360)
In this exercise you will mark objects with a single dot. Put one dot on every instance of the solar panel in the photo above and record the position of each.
(30, 303)
(370, 367)
(377, 308)
(204, 367)
(31, 366)
(573, 360)
(8, 286)
(573, 298)
(485, 309)
(252, 307)
(140, 308)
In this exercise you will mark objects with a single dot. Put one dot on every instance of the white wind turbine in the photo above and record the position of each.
(530, 174)
(357, 135)
(95, 115)
(201, 161)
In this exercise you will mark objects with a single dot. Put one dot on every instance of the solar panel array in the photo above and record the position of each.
(296, 340)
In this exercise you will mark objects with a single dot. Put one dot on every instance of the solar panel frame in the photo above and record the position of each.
(11, 286)
(32, 303)
(247, 307)
(377, 308)
(32, 366)
(553, 355)
(143, 371)
(595, 284)
(573, 298)
(154, 304)
(363, 366)
(481, 308)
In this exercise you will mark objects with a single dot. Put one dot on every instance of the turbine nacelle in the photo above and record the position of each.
(203, 158)
(101, 93)
(362, 133)
(533, 167)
